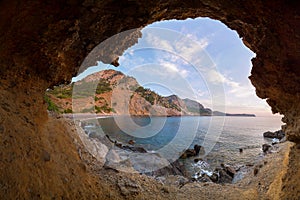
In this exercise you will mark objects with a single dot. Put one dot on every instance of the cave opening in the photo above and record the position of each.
(43, 44)
(187, 68)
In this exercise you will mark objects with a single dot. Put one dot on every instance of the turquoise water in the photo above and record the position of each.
(222, 137)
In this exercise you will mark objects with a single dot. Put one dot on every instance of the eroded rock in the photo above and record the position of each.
(266, 148)
(46, 48)
(276, 134)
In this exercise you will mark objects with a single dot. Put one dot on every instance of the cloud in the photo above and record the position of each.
(181, 46)
(201, 93)
(176, 51)
(181, 57)
(157, 42)
(172, 68)
(191, 50)
(242, 91)
(130, 60)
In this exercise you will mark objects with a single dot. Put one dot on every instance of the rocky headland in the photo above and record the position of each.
(106, 93)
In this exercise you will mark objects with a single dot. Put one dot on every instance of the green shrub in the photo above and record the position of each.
(68, 111)
(103, 86)
(62, 92)
(104, 108)
(99, 98)
(51, 106)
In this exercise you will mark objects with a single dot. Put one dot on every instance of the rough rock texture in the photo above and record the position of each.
(43, 43)
(276, 134)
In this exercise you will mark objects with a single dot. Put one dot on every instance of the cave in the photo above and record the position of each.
(43, 43)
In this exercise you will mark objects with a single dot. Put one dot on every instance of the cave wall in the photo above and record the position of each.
(43, 43)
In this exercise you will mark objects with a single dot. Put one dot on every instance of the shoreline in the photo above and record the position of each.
(86, 116)
(256, 183)
(239, 169)
(97, 116)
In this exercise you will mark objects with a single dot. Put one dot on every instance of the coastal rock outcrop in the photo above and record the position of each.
(266, 148)
(222, 174)
(198, 149)
(276, 134)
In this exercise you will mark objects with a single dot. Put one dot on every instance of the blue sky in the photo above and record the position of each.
(200, 59)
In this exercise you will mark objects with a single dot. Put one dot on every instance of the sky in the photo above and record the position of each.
(199, 59)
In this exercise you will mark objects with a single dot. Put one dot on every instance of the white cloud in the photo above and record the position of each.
(130, 60)
(201, 93)
(184, 73)
(182, 47)
(242, 91)
(158, 42)
(191, 50)
(176, 53)
(173, 53)
(170, 67)
(173, 69)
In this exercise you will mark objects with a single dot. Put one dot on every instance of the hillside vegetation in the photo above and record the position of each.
(111, 92)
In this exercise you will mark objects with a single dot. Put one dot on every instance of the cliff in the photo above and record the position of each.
(110, 92)
(106, 92)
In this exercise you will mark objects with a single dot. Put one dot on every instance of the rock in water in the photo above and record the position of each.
(199, 149)
(131, 142)
(224, 177)
(266, 147)
(134, 149)
(230, 171)
(188, 153)
(277, 134)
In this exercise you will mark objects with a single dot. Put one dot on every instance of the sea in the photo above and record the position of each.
(222, 137)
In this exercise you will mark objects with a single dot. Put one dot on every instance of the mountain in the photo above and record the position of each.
(217, 113)
(111, 92)
(196, 108)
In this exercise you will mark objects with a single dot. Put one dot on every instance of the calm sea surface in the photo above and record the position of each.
(222, 137)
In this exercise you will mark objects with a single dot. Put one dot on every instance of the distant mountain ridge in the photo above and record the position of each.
(111, 92)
